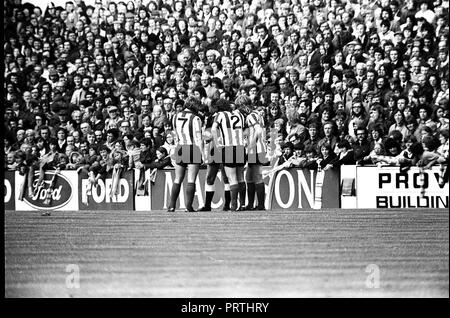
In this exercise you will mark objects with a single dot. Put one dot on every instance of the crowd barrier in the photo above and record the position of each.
(388, 188)
(295, 189)
(64, 196)
(9, 190)
(286, 189)
(100, 199)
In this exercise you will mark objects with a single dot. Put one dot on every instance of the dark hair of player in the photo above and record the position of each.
(193, 104)
(222, 105)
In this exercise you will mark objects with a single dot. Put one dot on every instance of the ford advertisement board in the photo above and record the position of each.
(63, 193)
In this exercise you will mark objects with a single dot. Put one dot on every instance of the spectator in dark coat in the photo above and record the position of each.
(361, 147)
(162, 159)
(327, 155)
(345, 156)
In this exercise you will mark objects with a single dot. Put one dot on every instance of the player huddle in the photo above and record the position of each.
(229, 139)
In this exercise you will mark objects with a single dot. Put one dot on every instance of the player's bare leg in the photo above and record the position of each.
(242, 187)
(251, 189)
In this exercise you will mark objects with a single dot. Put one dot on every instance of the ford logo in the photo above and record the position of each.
(60, 196)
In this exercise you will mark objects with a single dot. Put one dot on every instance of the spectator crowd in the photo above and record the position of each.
(337, 81)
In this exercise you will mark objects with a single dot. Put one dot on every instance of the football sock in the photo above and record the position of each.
(190, 191)
(227, 196)
(234, 196)
(251, 194)
(208, 198)
(260, 193)
(242, 191)
(174, 196)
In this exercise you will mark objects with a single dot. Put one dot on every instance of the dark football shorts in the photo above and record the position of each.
(229, 156)
(188, 154)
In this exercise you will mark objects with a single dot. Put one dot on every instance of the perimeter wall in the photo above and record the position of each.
(364, 187)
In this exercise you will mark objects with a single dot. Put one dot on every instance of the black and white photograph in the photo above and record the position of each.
(226, 154)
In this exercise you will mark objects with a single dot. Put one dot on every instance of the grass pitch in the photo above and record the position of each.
(330, 253)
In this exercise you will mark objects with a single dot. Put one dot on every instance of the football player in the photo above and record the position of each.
(189, 151)
(213, 166)
(256, 157)
(228, 134)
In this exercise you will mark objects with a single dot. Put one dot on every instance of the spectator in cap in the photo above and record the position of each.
(114, 117)
(211, 40)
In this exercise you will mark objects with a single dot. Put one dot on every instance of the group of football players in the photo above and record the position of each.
(231, 138)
